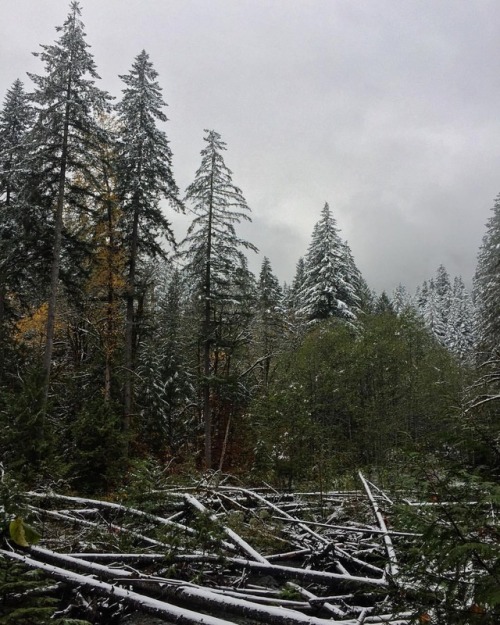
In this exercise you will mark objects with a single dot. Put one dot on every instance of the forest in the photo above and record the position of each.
(135, 359)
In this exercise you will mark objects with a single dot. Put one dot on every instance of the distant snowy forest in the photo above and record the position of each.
(122, 340)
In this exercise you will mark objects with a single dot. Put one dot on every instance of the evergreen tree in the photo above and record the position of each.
(166, 386)
(356, 295)
(329, 286)
(442, 285)
(292, 298)
(432, 312)
(481, 417)
(144, 179)
(401, 300)
(460, 327)
(216, 265)
(16, 119)
(421, 295)
(447, 312)
(487, 287)
(65, 131)
(383, 305)
(270, 316)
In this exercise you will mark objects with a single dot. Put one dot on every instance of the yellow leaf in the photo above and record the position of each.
(22, 534)
(16, 530)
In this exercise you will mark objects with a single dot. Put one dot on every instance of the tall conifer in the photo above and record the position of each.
(144, 179)
(16, 118)
(270, 316)
(487, 286)
(330, 282)
(216, 264)
(67, 104)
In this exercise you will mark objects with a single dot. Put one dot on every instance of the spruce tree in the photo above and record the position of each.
(401, 300)
(145, 178)
(460, 335)
(357, 296)
(67, 105)
(432, 311)
(16, 119)
(447, 312)
(216, 265)
(482, 413)
(293, 294)
(329, 286)
(383, 305)
(487, 287)
(442, 284)
(270, 316)
(166, 383)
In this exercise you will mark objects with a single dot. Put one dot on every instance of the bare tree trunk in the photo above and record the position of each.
(56, 256)
(108, 346)
(129, 327)
(208, 339)
(224, 444)
(2, 323)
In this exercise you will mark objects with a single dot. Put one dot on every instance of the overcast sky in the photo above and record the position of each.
(387, 109)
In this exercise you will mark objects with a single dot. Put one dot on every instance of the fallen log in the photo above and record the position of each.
(288, 517)
(189, 593)
(231, 533)
(308, 575)
(143, 603)
(354, 530)
(391, 553)
(109, 505)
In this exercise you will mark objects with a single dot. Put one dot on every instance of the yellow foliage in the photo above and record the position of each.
(31, 329)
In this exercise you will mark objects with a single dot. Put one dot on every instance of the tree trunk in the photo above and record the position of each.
(56, 256)
(108, 346)
(129, 326)
(208, 339)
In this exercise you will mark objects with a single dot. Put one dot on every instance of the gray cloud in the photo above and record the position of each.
(388, 110)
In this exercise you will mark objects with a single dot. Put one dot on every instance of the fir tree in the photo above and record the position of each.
(482, 414)
(460, 337)
(144, 179)
(163, 368)
(441, 308)
(216, 265)
(358, 296)
(432, 311)
(383, 305)
(329, 286)
(421, 296)
(293, 294)
(442, 285)
(16, 119)
(401, 300)
(487, 287)
(270, 317)
(65, 132)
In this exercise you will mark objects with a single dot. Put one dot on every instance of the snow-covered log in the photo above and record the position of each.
(232, 534)
(391, 553)
(180, 616)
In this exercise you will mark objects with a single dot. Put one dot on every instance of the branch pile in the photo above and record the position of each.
(223, 554)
